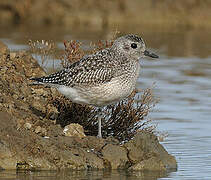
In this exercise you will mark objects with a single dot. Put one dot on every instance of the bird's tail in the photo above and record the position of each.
(37, 81)
(52, 79)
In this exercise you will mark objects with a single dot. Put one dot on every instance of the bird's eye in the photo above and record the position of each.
(134, 45)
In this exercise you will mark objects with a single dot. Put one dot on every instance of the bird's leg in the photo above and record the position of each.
(100, 115)
(99, 126)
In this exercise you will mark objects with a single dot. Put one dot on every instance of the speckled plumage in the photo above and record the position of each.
(90, 70)
(102, 78)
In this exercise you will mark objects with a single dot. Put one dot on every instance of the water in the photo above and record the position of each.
(81, 175)
(182, 79)
(184, 111)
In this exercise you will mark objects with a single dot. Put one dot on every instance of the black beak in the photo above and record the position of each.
(150, 54)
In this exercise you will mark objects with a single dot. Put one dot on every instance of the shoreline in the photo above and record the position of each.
(189, 14)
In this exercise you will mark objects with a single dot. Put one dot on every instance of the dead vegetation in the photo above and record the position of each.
(44, 51)
(121, 120)
(43, 48)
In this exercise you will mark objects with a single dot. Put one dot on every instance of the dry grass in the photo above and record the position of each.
(121, 120)
(72, 53)
(44, 50)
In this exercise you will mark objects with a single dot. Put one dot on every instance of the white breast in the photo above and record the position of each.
(73, 94)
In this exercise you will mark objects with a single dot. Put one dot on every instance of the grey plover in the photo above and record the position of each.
(104, 77)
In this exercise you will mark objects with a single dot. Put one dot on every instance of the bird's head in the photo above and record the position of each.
(133, 46)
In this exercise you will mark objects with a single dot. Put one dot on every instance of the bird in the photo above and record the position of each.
(104, 77)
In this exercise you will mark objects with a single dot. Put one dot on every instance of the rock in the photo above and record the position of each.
(116, 156)
(112, 140)
(12, 55)
(52, 112)
(39, 92)
(145, 148)
(34, 163)
(3, 48)
(27, 126)
(151, 164)
(15, 96)
(74, 130)
(55, 130)
(38, 129)
(38, 107)
(43, 132)
(69, 160)
(93, 161)
(93, 143)
(7, 159)
(2, 99)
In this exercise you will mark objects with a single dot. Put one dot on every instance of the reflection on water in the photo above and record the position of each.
(82, 175)
(182, 76)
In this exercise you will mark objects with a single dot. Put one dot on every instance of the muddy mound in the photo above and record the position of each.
(31, 139)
